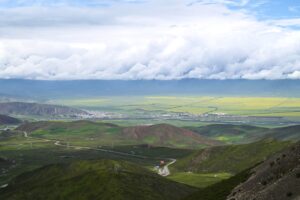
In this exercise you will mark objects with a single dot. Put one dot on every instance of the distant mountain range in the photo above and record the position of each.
(35, 109)
(34, 89)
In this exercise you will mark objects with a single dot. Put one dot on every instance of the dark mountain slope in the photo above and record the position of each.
(6, 120)
(94, 180)
(285, 133)
(20, 108)
(277, 178)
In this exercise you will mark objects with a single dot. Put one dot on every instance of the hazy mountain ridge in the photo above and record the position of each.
(29, 109)
(92, 88)
(6, 120)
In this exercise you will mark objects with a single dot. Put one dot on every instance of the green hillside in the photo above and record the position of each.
(168, 135)
(285, 133)
(231, 158)
(85, 180)
(275, 178)
(85, 133)
(230, 133)
(221, 190)
(88, 133)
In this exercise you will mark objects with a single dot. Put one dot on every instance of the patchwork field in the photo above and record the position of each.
(243, 106)
(181, 110)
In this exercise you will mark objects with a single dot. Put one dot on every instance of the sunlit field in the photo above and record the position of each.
(244, 106)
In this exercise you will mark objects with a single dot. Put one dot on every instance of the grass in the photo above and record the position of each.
(231, 134)
(201, 180)
(105, 179)
(229, 159)
(29, 154)
(94, 134)
(220, 190)
(229, 139)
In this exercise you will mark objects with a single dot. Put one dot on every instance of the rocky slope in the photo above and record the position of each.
(277, 178)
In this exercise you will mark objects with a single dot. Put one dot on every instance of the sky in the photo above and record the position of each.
(149, 39)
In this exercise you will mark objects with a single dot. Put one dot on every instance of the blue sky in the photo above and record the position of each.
(274, 9)
(150, 39)
(87, 3)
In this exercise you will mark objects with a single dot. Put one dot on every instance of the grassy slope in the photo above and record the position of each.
(199, 180)
(153, 151)
(231, 133)
(105, 180)
(231, 159)
(29, 154)
(221, 190)
(285, 133)
(87, 133)
(234, 134)
(168, 135)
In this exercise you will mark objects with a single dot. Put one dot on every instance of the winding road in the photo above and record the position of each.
(162, 171)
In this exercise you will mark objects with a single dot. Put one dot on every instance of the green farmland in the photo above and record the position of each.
(191, 110)
(250, 106)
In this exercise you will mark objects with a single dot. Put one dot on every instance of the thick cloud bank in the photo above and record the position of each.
(145, 41)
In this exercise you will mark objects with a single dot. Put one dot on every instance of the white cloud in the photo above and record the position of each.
(153, 40)
(294, 9)
(225, 2)
(287, 22)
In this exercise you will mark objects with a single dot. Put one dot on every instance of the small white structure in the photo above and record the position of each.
(164, 171)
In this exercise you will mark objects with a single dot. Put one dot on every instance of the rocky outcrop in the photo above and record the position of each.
(277, 178)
